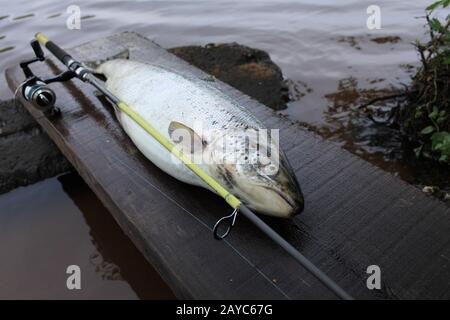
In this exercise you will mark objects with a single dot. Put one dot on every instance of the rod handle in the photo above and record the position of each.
(59, 53)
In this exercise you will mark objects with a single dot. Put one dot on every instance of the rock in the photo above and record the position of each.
(248, 70)
(27, 155)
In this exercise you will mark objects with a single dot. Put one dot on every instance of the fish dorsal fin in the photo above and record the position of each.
(186, 138)
(92, 65)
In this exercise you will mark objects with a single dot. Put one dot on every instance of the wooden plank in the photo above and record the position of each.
(355, 215)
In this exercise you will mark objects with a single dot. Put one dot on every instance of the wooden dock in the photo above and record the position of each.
(356, 215)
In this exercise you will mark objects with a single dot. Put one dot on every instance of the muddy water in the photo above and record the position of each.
(333, 63)
(50, 225)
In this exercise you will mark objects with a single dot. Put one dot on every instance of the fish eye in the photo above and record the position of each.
(270, 170)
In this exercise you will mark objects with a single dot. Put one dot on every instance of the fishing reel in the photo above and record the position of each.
(36, 90)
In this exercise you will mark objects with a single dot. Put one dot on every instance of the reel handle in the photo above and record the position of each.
(37, 49)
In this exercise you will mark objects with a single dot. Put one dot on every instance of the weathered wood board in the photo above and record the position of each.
(355, 215)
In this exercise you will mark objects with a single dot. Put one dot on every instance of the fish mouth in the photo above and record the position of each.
(295, 204)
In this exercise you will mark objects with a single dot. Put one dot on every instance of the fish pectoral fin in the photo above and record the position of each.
(186, 138)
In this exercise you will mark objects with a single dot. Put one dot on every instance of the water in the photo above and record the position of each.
(333, 63)
(58, 222)
(308, 39)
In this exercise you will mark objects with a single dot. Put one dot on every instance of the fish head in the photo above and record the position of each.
(265, 184)
(249, 164)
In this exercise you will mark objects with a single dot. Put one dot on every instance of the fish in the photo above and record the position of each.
(206, 124)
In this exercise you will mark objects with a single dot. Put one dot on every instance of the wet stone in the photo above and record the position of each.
(27, 155)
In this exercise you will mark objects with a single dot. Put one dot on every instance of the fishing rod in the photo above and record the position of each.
(35, 90)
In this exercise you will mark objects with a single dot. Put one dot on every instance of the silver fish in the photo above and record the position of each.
(171, 102)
